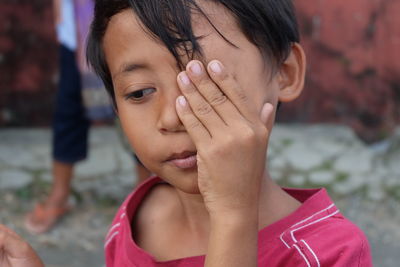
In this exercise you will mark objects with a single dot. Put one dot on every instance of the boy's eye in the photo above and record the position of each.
(139, 94)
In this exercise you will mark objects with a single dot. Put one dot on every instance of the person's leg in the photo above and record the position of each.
(70, 142)
(70, 128)
(61, 186)
(46, 214)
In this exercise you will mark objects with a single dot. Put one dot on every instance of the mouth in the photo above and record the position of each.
(184, 160)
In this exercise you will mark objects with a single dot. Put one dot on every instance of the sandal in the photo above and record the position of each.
(44, 217)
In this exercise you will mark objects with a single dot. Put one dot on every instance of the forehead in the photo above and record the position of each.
(126, 32)
(126, 40)
(216, 13)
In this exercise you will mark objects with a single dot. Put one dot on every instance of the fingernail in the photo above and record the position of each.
(215, 66)
(195, 68)
(182, 101)
(184, 78)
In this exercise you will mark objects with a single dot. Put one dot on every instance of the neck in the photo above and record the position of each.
(275, 204)
(193, 211)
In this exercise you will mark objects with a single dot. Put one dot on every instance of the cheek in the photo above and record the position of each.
(139, 126)
(134, 128)
(139, 137)
(254, 79)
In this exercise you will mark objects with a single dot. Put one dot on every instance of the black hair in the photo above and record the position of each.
(270, 24)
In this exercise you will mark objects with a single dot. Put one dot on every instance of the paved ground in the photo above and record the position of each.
(364, 181)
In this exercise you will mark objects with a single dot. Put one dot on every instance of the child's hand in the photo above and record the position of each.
(230, 135)
(15, 252)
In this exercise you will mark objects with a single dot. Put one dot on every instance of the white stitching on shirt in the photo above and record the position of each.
(110, 239)
(302, 221)
(312, 252)
(284, 240)
(112, 228)
(330, 206)
(311, 223)
(303, 226)
(301, 253)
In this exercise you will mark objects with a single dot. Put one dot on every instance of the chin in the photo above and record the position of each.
(191, 189)
(185, 181)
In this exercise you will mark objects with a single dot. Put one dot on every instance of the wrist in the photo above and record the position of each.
(235, 219)
(233, 240)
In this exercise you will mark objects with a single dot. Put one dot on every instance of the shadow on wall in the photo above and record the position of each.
(353, 64)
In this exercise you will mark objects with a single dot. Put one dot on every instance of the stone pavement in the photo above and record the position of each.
(363, 181)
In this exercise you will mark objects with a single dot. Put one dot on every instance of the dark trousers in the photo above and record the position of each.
(70, 126)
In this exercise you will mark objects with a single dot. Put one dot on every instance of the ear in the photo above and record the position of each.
(291, 74)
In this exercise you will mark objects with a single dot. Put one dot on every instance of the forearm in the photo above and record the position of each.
(233, 241)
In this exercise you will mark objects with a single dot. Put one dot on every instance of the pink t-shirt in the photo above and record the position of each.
(316, 234)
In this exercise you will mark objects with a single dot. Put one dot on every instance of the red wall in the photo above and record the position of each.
(28, 61)
(353, 76)
(352, 48)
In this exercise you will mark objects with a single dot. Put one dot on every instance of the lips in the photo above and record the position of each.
(184, 160)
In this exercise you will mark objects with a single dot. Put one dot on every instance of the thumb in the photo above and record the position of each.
(267, 114)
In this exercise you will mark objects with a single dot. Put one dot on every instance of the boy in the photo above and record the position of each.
(196, 86)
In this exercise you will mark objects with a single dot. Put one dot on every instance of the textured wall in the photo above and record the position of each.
(28, 62)
(353, 51)
(353, 64)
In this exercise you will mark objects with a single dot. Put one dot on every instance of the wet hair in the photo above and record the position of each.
(269, 24)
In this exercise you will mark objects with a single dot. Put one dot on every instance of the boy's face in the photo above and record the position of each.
(138, 63)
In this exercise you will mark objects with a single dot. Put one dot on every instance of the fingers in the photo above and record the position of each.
(212, 101)
(192, 124)
(201, 108)
(267, 115)
(230, 87)
(208, 89)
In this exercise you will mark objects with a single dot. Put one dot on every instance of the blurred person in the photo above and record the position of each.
(71, 118)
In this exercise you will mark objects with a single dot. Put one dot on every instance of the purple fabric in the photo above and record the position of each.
(83, 15)
(95, 98)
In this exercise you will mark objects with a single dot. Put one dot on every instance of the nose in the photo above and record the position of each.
(168, 121)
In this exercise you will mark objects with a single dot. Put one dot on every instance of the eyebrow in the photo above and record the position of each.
(129, 67)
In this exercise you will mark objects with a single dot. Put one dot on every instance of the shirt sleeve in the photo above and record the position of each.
(338, 244)
(341, 244)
